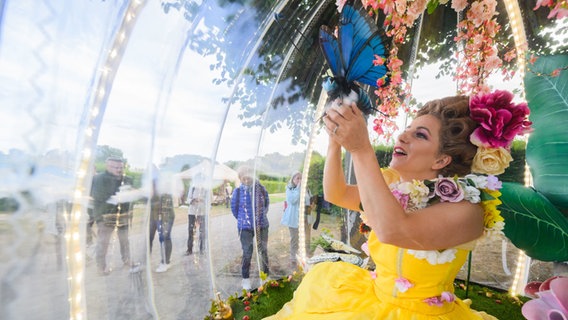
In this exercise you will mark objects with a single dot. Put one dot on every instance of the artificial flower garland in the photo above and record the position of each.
(482, 189)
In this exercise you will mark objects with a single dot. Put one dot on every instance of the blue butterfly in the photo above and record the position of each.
(350, 56)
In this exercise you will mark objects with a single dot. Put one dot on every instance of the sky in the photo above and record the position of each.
(47, 76)
(141, 119)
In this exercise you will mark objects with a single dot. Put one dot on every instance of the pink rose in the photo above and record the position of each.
(448, 190)
(500, 120)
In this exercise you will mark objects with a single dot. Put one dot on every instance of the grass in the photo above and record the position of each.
(496, 302)
(268, 299)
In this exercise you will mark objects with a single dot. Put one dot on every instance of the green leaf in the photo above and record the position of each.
(432, 5)
(534, 224)
(547, 147)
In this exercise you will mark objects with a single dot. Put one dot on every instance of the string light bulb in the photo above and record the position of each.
(73, 233)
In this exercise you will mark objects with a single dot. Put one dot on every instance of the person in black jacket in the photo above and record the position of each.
(109, 216)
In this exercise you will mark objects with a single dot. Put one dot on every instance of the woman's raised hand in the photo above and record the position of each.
(347, 126)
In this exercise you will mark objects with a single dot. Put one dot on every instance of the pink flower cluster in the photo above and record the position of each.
(559, 8)
(402, 284)
(446, 296)
(402, 198)
(400, 15)
(479, 56)
(550, 300)
(500, 120)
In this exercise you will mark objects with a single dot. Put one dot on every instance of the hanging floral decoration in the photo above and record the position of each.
(559, 8)
(477, 58)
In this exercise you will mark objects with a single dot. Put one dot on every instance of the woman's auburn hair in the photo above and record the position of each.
(456, 127)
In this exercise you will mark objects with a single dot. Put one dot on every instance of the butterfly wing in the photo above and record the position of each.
(360, 36)
(330, 49)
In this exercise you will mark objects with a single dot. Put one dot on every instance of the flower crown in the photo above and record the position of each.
(500, 120)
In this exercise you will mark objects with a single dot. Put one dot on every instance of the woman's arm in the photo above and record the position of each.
(335, 189)
(439, 226)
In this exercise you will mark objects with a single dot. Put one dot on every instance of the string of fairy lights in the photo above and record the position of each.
(517, 28)
(75, 250)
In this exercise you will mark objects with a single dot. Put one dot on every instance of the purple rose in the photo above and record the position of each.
(448, 190)
(500, 120)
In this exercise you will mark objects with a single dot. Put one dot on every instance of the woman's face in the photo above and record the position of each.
(297, 179)
(246, 179)
(416, 152)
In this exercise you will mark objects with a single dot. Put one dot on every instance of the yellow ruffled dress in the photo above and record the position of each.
(406, 286)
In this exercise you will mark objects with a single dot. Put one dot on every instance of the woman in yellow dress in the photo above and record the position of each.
(424, 220)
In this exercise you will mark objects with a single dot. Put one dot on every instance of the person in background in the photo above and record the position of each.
(228, 194)
(109, 216)
(309, 205)
(197, 199)
(162, 216)
(249, 205)
(291, 217)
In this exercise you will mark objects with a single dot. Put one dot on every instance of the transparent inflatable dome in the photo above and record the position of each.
(186, 94)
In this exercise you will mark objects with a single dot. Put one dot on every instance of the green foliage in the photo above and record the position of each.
(547, 150)
(8, 205)
(261, 302)
(533, 223)
(516, 170)
(495, 302)
(384, 155)
(274, 186)
(533, 218)
(103, 152)
(315, 179)
(266, 177)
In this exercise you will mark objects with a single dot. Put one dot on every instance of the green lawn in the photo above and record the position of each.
(261, 303)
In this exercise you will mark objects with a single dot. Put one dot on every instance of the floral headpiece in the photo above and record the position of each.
(500, 120)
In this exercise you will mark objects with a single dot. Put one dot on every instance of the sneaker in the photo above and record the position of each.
(102, 272)
(246, 284)
(162, 267)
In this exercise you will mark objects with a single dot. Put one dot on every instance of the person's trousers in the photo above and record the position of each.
(247, 242)
(294, 244)
(192, 220)
(165, 236)
(104, 233)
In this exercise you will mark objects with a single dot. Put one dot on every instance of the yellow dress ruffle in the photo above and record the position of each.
(340, 290)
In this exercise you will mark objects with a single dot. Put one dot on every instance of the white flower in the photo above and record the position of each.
(480, 181)
(405, 187)
(434, 257)
(495, 232)
(472, 194)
